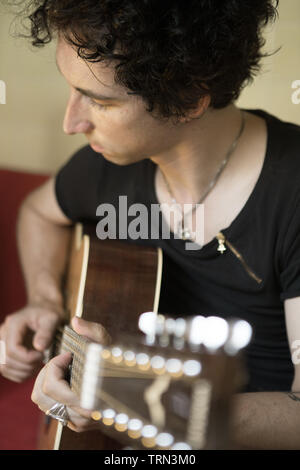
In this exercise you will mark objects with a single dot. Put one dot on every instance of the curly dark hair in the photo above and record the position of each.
(169, 52)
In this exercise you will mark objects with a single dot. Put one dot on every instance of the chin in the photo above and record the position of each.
(121, 160)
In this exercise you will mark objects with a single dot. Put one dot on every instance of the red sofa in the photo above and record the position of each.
(19, 417)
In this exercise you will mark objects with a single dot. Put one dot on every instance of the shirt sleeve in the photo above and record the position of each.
(77, 183)
(290, 273)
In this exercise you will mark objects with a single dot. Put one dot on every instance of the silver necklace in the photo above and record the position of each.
(184, 232)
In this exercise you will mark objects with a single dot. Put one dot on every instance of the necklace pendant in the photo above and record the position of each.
(185, 234)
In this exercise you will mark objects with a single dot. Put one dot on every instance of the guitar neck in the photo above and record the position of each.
(98, 374)
(67, 340)
(143, 393)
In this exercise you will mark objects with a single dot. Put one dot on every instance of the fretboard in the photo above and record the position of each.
(67, 340)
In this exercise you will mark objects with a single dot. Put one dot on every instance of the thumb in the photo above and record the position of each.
(60, 363)
(55, 382)
(47, 323)
(93, 331)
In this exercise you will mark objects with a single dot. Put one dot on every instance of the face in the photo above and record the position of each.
(115, 124)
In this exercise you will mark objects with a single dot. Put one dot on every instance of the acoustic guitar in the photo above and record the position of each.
(163, 383)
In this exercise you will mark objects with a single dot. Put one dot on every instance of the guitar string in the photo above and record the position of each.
(116, 369)
(113, 371)
(74, 344)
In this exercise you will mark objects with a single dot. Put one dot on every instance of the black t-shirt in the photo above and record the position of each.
(266, 233)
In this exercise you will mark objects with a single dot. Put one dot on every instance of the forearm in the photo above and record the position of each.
(43, 249)
(267, 420)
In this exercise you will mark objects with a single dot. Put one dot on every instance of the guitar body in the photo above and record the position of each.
(111, 283)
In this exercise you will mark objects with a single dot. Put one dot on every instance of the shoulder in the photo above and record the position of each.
(283, 141)
(282, 159)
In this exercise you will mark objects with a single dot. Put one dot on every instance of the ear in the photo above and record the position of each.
(198, 112)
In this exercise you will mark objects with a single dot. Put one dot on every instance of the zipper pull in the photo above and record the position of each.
(221, 248)
(221, 239)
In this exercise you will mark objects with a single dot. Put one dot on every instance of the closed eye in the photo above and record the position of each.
(94, 104)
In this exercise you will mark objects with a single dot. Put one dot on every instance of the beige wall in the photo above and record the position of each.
(31, 133)
(31, 121)
(272, 89)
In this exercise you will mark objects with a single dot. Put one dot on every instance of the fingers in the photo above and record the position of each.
(18, 371)
(79, 424)
(13, 333)
(51, 387)
(21, 361)
(46, 326)
(14, 375)
(12, 364)
(58, 388)
(55, 385)
(17, 376)
(93, 331)
(51, 383)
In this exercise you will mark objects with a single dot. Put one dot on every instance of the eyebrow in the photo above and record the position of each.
(90, 93)
(95, 96)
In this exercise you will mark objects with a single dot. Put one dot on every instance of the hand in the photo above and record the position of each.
(23, 361)
(51, 387)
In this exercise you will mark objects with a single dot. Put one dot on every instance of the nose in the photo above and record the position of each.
(76, 116)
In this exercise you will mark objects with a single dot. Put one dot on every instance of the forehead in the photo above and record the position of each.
(98, 76)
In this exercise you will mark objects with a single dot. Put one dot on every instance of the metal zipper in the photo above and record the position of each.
(221, 248)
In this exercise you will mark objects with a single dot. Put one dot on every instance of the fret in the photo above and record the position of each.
(67, 340)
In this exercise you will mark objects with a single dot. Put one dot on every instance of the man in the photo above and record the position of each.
(153, 86)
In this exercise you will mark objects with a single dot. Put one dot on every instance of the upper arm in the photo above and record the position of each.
(292, 315)
(44, 203)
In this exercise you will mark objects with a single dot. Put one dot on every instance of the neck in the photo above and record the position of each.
(191, 164)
